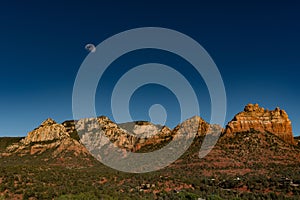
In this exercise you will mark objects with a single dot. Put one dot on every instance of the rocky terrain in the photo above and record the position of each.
(256, 157)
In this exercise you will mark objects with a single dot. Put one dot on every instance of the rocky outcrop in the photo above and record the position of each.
(255, 118)
(199, 126)
(141, 128)
(97, 133)
(49, 130)
(102, 132)
(53, 138)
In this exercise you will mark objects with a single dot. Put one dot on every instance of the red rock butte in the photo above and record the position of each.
(256, 118)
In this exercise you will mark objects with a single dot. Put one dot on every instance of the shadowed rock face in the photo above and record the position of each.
(255, 118)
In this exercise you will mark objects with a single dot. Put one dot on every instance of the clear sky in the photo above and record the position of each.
(255, 46)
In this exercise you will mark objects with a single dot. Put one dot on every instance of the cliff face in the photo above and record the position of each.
(255, 118)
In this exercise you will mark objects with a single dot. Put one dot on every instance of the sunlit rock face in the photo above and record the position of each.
(49, 130)
(256, 118)
(52, 137)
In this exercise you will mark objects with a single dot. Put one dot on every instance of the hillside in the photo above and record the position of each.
(246, 163)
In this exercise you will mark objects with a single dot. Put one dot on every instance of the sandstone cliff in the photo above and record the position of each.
(255, 118)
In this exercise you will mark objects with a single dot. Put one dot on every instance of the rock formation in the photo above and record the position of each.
(49, 137)
(102, 132)
(133, 136)
(255, 118)
(198, 125)
(90, 135)
(49, 130)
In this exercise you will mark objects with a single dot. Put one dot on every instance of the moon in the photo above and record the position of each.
(90, 47)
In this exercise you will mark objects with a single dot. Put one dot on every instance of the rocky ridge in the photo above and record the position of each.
(87, 135)
(133, 136)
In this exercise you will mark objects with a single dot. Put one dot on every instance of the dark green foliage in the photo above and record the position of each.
(6, 141)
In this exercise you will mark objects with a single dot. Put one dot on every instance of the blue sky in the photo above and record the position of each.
(255, 46)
